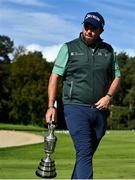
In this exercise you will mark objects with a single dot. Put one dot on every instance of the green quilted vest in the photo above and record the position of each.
(88, 72)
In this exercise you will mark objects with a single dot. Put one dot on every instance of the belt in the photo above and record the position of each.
(92, 106)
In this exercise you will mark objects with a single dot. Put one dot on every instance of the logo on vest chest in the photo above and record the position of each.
(76, 53)
(102, 54)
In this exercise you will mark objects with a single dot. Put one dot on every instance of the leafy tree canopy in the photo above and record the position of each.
(6, 47)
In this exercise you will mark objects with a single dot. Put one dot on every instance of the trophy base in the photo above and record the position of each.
(43, 174)
(46, 169)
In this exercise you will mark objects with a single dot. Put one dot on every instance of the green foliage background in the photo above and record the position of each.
(23, 88)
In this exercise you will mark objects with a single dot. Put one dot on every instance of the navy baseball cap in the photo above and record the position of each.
(95, 19)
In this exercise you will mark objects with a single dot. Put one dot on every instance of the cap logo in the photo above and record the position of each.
(92, 16)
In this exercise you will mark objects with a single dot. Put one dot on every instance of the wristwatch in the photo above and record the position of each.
(109, 95)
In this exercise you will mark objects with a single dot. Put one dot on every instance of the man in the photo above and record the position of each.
(91, 77)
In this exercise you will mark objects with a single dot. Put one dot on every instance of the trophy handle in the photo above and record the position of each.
(51, 125)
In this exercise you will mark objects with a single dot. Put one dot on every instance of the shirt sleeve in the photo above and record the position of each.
(116, 68)
(61, 61)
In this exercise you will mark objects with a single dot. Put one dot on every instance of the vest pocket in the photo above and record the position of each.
(71, 89)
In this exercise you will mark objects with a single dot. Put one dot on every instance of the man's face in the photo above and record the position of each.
(90, 33)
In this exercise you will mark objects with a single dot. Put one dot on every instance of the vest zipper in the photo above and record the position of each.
(93, 64)
(92, 72)
(71, 88)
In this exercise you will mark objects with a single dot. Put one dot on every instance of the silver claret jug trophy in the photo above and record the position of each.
(46, 168)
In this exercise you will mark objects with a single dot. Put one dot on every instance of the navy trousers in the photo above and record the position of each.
(86, 125)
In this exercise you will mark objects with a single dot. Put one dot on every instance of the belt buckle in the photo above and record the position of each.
(93, 106)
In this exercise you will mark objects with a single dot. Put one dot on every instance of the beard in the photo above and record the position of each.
(89, 39)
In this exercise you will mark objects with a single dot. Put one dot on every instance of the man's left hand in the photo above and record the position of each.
(103, 103)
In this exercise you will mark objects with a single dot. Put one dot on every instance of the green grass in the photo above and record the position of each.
(20, 127)
(114, 159)
(22, 162)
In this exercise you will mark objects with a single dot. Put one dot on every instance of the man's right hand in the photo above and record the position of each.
(51, 115)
